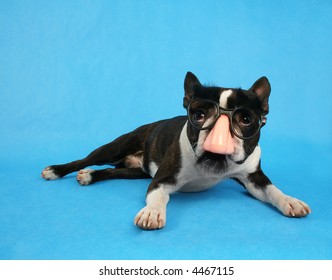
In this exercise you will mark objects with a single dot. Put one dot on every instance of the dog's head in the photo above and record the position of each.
(225, 122)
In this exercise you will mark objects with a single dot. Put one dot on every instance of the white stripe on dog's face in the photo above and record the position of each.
(224, 97)
(238, 154)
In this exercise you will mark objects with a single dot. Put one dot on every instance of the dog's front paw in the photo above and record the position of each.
(49, 173)
(293, 207)
(151, 218)
(84, 177)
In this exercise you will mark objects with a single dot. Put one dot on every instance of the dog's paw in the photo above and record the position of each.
(150, 218)
(84, 177)
(293, 207)
(49, 174)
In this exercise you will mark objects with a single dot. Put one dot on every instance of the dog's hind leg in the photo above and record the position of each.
(89, 176)
(122, 152)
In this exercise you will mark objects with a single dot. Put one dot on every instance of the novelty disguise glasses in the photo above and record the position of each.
(244, 123)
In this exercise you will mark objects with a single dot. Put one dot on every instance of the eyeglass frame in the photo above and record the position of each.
(229, 113)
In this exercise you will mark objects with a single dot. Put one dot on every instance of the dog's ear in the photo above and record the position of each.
(262, 88)
(190, 83)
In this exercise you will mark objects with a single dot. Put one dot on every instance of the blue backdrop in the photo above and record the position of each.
(76, 74)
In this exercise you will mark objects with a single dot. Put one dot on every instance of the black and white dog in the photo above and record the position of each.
(218, 139)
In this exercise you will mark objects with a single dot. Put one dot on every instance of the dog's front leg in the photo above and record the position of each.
(153, 215)
(259, 186)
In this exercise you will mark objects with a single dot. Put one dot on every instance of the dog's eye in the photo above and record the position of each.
(199, 117)
(245, 119)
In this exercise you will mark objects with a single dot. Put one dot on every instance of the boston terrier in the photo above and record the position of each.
(218, 139)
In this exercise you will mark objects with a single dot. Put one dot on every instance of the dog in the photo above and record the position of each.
(216, 140)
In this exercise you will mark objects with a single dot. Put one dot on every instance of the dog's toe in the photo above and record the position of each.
(84, 177)
(150, 218)
(294, 207)
(49, 174)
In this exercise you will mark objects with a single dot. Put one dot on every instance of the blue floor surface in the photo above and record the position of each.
(76, 74)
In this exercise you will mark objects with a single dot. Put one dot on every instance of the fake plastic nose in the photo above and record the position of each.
(219, 140)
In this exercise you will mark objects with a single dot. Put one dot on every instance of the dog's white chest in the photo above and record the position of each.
(199, 185)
